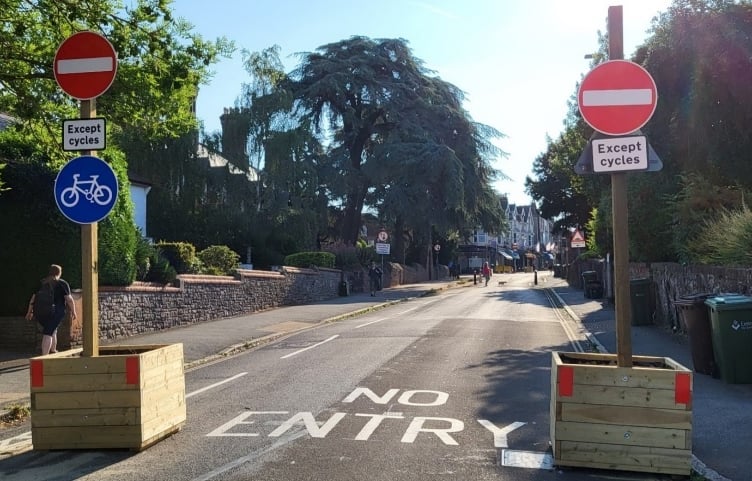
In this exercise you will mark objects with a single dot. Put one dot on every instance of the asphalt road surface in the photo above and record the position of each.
(454, 386)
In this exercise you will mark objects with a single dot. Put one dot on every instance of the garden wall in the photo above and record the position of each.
(142, 308)
(671, 281)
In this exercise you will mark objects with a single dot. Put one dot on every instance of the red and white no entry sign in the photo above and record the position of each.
(617, 97)
(85, 65)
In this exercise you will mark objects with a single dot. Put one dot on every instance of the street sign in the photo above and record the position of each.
(382, 236)
(585, 164)
(85, 65)
(617, 97)
(83, 134)
(437, 247)
(617, 154)
(383, 248)
(578, 240)
(86, 189)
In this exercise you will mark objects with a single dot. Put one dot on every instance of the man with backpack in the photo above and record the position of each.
(47, 307)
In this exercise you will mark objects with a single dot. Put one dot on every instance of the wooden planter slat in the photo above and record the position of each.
(630, 419)
(127, 397)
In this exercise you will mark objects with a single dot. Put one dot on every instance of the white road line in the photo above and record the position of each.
(398, 314)
(604, 98)
(309, 347)
(215, 384)
(372, 322)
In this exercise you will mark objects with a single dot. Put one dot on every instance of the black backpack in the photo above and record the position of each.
(44, 301)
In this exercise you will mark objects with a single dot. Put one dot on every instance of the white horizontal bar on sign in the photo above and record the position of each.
(604, 98)
(85, 65)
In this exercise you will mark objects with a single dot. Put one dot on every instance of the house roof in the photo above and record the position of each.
(5, 121)
(216, 160)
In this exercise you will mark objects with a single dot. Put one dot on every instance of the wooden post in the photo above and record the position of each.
(89, 265)
(620, 217)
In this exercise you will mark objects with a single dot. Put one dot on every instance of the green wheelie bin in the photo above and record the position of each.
(639, 297)
(731, 326)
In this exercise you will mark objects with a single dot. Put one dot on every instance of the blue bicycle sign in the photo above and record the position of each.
(86, 189)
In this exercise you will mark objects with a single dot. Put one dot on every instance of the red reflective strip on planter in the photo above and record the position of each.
(683, 389)
(132, 370)
(36, 370)
(566, 381)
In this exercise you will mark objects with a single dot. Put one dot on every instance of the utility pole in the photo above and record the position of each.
(620, 216)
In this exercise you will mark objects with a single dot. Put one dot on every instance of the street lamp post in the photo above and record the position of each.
(436, 249)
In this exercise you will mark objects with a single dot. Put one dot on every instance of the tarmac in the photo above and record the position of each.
(722, 412)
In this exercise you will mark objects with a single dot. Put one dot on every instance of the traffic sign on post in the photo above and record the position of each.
(617, 97)
(85, 65)
(86, 189)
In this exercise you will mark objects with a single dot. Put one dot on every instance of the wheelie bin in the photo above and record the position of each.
(696, 320)
(639, 297)
(587, 278)
(731, 326)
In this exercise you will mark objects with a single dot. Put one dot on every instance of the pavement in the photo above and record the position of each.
(722, 412)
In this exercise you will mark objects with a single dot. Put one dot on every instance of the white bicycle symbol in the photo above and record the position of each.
(100, 194)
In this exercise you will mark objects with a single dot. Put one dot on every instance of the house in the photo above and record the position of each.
(527, 242)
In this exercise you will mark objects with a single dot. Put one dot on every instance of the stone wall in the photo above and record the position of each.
(142, 308)
(671, 281)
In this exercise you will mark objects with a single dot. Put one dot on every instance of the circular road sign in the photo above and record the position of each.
(437, 247)
(85, 65)
(383, 236)
(617, 97)
(86, 189)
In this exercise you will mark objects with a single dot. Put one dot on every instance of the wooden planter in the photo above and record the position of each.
(629, 419)
(127, 397)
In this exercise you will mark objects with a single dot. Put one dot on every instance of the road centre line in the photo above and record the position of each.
(398, 314)
(309, 347)
(199, 391)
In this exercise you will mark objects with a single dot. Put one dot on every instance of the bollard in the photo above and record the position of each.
(535, 277)
(475, 277)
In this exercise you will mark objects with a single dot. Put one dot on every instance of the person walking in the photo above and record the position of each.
(486, 271)
(374, 278)
(47, 306)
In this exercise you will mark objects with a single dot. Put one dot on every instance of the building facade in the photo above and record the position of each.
(526, 243)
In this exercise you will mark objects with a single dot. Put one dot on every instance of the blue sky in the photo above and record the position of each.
(518, 61)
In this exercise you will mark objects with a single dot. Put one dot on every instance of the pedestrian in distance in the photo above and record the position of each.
(374, 278)
(486, 271)
(47, 306)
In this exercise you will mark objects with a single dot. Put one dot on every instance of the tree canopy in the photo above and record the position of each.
(161, 64)
(698, 54)
(390, 138)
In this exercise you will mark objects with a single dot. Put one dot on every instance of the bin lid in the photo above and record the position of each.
(729, 302)
(693, 299)
(641, 280)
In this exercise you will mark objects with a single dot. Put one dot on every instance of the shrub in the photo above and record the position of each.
(729, 249)
(345, 256)
(308, 259)
(144, 252)
(181, 256)
(219, 260)
(160, 270)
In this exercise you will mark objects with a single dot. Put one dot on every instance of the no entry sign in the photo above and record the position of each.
(617, 97)
(85, 65)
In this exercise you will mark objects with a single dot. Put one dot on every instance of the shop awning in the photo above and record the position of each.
(506, 256)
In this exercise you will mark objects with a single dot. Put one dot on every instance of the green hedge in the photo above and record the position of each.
(36, 234)
(181, 256)
(309, 259)
(219, 260)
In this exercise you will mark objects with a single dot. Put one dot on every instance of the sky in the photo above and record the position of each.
(518, 61)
